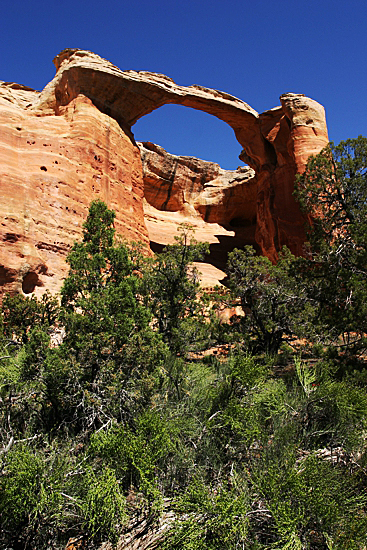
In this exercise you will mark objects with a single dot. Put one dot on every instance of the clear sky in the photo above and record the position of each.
(254, 50)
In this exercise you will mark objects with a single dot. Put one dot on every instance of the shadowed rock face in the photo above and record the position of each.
(219, 204)
(196, 187)
(72, 143)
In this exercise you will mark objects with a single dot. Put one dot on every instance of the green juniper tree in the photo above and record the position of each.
(171, 289)
(275, 304)
(107, 329)
(333, 192)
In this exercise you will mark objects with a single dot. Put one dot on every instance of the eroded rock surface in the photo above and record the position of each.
(71, 143)
(198, 188)
(219, 204)
(51, 168)
(292, 132)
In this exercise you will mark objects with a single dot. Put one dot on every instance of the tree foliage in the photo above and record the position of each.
(333, 191)
(20, 314)
(171, 286)
(134, 415)
(275, 303)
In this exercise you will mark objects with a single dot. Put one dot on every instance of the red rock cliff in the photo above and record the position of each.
(51, 168)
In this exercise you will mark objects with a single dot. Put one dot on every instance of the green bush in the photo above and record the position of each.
(136, 456)
(103, 506)
(211, 517)
(312, 501)
(32, 508)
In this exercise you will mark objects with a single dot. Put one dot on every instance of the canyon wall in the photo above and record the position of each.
(51, 168)
(72, 142)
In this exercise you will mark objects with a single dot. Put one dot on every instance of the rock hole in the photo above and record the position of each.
(19, 129)
(10, 237)
(270, 151)
(43, 168)
(241, 222)
(30, 281)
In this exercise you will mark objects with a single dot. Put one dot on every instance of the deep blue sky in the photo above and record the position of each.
(254, 50)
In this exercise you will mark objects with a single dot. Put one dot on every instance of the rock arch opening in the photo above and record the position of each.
(190, 132)
(29, 282)
(204, 183)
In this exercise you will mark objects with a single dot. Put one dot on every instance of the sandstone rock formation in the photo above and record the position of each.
(51, 168)
(198, 188)
(293, 132)
(219, 204)
(72, 142)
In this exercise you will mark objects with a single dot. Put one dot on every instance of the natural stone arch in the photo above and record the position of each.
(276, 143)
(129, 95)
(72, 143)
